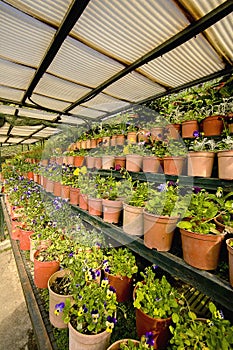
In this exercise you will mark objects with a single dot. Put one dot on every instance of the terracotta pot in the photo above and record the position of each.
(117, 344)
(212, 125)
(78, 161)
(49, 186)
(132, 220)
(201, 251)
(30, 175)
(159, 327)
(230, 260)
(173, 130)
(93, 143)
(83, 144)
(24, 238)
(70, 160)
(133, 162)
(107, 162)
(36, 245)
(57, 189)
(132, 137)
(83, 203)
(88, 144)
(78, 144)
(225, 165)
(99, 141)
(119, 161)
(43, 270)
(74, 195)
(15, 229)
(113, 140)
(36, 178)
(221, 227)
(188, 128)
(90, 162)
(59, 160)
(79, 341)
(95, 206)
(151, 164)
(65, 191)
(159, 231)
(54, 299)
(120, 140)
(123, 286)
(98, 163)
(200, 163)
(106, 141)
(173, 165)
(156, 134)
(111, 210)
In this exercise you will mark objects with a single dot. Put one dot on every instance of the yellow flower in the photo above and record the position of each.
(76, 171)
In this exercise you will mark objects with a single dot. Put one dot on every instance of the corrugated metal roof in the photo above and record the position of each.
(92, 58)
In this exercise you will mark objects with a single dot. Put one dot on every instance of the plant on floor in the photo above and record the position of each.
(93, 310)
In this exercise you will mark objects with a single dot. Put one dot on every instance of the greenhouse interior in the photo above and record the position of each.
(116, 169)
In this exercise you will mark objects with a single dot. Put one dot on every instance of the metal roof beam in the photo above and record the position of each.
(221, 73)
(75, 11)
(180, 38)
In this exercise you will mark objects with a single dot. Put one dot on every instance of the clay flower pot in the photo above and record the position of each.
(43, 270)
(133, 162)
(201, 250)
(78, 341)
(74, 195)
(212, 125)
(95, 206)
(123, 286)
(200, 163)
(230, 259)
(151, 164)
(225, 165)
(56, 299)
(78, 161)
(116, 345)
(111, 210)
(132, 220)
(107, 162)
(57, 189)
(24, 238)
(65, 191)
(173, 165)
(188, 128)
(83, 201)
(159, 231)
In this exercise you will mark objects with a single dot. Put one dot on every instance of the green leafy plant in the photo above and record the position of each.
(190, 332)
(120, 262)
(167, 200)
(93, 309)
(155, 297)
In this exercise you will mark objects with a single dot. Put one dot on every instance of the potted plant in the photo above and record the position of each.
(153, 159)
(133, 207)
(201, 240)
(201, 156)
(229, 243)
(91, 316)
(119, 266)
(165, 205)
(189, 331)
(225, 157)
(134, 155)
(112, 204)
(155, 301)
(82, 184)
(146, 343)
(174, 158)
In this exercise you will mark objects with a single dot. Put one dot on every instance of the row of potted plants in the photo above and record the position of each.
(24, 192)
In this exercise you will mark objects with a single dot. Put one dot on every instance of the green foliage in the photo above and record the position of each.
(120, 262)
(155, 297)
(189, 332)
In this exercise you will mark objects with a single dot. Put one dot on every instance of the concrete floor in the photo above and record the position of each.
(16, 331)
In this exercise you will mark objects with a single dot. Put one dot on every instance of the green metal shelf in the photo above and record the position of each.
(207, 183)
(204, 281)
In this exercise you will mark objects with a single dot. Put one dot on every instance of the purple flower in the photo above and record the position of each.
(112, 289)
(149, 338)
(112, 319)
(196, 189)
(161, 187)
(196, 133)
(71, 254)
(59, 308)
(118, 167)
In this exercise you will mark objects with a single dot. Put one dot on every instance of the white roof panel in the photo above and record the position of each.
(24, 130)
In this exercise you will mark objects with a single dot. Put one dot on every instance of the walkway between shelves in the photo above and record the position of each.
(16, 332)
